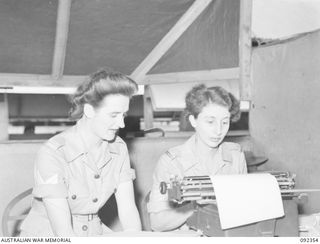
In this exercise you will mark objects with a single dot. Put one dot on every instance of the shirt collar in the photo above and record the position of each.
(225, 152)
(189, 156)
(75, 146)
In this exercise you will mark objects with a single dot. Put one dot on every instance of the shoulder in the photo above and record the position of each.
(57, 141)
(169, 164)
(51, 149)
(119, 141)
(170, 161)
(118, 146)
(230, 146)
(230, 151)
(57, 144)
(179, 154)
(174, 152)
(51, 155)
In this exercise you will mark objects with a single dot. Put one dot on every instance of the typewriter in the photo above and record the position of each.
(206, 216)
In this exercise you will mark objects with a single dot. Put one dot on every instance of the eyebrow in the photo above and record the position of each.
(125, 113)
(227, 117)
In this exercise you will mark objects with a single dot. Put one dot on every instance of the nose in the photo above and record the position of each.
(219, 129)
(121, 122)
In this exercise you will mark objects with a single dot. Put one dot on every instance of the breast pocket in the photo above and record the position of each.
(78, 196)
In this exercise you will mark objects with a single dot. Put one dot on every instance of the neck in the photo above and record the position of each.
(202, 149)
(90, 139)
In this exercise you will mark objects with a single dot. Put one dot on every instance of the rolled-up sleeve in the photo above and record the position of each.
(242, 164)
(126, 172)
(49, 174)
(163, 172)
(126, 175)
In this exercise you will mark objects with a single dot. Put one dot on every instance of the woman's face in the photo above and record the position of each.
(212, 124)
(109, 116)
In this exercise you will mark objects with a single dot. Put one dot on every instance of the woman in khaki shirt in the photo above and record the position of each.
(210, 112)
(78, 170)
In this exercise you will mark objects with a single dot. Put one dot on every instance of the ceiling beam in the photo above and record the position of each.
(42, 84)
(169, 39)
(37, 90)
(61, 39)
(10, 82)
(34, 80)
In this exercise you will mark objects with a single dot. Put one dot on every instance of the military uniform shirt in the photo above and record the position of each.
(182, 161)
(64, 170)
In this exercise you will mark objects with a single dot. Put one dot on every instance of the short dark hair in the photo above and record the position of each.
(100, 84)
(200, 96)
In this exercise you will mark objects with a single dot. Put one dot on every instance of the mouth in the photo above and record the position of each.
(215, 139)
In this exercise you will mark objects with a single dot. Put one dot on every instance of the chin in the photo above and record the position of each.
(110, 137)
(213, 144)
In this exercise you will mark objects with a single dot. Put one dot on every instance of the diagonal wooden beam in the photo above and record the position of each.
(169, 39)
(62, 29)
(192, 76)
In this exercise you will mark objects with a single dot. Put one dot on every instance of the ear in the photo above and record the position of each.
(193, 121)
(88, 110)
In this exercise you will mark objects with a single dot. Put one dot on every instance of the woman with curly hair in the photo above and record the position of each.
(210, 111)
(78, 170)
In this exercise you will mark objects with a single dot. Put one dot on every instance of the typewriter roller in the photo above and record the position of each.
(193, 188)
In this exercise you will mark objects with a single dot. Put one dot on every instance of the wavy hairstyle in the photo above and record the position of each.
(200, 96)
(100, 84)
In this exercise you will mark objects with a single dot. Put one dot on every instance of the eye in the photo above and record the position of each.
(113, 115)
(226, 122)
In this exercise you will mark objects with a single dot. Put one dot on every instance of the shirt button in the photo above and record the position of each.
(84, 228)
(95, 199)
(96, 176)
(73, 197)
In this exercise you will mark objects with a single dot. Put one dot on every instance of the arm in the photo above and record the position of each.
(50, 187)
(59, 216)
(170, 219)
(127, 210)
(163, 215)
(243, 164)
